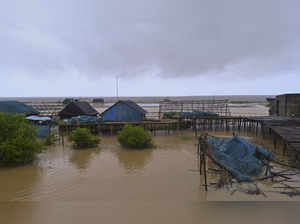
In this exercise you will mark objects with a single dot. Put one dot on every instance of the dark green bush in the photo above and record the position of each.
(18, 140)
(135, 137)
(82, 139)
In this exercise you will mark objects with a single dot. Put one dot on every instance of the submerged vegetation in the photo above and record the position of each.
(18, 140)
(83, 139)
(135, 137)
(50, 139)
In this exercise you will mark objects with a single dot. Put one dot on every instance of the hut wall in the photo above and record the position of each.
(288, 104)
(281, 102)
(272, 106)
(122, 112)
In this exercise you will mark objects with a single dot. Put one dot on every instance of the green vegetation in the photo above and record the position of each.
(135, 137)
(62, 123)
(83, 139)
(18, 140)
(50, 139)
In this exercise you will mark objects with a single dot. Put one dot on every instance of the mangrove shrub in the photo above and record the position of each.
(50, 139)
(18, 140)
(135, 137)
(82, 139)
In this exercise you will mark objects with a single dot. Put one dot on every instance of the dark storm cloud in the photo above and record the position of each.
(166, 37)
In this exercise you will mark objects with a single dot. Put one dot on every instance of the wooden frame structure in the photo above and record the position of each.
(219, 107)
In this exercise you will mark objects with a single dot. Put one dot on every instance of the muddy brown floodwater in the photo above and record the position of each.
(114, 185)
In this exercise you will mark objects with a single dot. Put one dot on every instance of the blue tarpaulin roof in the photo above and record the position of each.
(17, 107)
(38, 118)
(134, 106)
(124, 111)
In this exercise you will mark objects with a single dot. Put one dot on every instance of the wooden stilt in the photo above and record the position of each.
(204, 167)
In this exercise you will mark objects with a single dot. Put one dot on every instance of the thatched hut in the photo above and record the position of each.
(77, 108)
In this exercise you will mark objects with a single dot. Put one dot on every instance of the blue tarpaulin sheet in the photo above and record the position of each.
(239, 156)
(43, 131)
(83, 119)
(38, 118)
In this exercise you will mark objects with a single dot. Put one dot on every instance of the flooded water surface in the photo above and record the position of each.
(112, 183)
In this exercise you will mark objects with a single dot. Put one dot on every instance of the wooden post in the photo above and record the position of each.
(195, 126)
(275, 142)
(256, 129)
(62, 139)
(202, 142)
(159, 112)
(200, 147)
(111, 130)
(284, 148)
(204, 167)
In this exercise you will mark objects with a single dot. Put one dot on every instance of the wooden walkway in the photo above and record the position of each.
(167, 126)
(282, 129)
(222, 123)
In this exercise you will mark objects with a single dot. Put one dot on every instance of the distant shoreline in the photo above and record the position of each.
(235, 99)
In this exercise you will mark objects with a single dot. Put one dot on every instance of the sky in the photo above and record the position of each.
(155, 48)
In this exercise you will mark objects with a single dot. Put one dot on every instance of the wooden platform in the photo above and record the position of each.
(290, 136)
(111, 128)
(279, 128)
(275, 121)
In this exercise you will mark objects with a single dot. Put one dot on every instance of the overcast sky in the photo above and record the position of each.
(156, 47)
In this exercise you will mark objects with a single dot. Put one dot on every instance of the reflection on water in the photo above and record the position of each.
(134, 160)
(81, 158)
